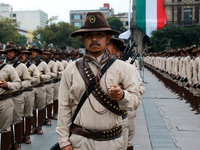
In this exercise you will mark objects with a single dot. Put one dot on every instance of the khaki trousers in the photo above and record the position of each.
(56, 91)
(29, 99)
(40, 97)
(49, 93)
(131, 127)
(81, 143)
(18, 108)
(125, 132)
(6, 115)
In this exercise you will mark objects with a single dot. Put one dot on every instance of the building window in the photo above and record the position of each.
(106, 15)
(77, 24)
(172, 14)
(179, 14)
(179, 0)
(14, 15)
(197, 14)
(77, 17)
(126, 23)
(187, 16)
(14, 20)
(196, 0)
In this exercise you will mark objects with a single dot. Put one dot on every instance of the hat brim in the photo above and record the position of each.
(27, 52)
(82, 31)
(35, 50)
(46, 53)
(3, 51)
(8, 49)
(117, 42)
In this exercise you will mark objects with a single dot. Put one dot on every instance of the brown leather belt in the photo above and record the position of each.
(125, 115)
(17, 93)
(5, 96)
(49, 82)
(39, 85)
(56, 80)
(97, 135)
(28, 89)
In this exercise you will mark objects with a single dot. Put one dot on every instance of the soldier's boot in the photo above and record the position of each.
(49, 110)
(44, 119)
(6, 141)
(33, 123)
(187, 96)
(197, 106)
(55, 109)
(23, 131)
(18, 135)
(130, 148)
(28, 130)
(191, 100)
(40, 121)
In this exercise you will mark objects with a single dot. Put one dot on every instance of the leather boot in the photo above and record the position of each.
(44, 119)
(49, 110)
(23, 133)
(130, 148)
(28, 130)
(18, 134)
(40, 121)
(6, 141)
(33, 123)
(55, 109)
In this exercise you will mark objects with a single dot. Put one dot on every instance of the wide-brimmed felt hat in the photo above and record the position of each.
(58, 51)
(197, 51)
(45, 50)
(117, 41)
(2, 50)
(73, 52)
(95, 22)
(22, 49)
(35, 48)
(51, 50)
(122, 48)
(65, 52)
(11, 46)
(193, 46)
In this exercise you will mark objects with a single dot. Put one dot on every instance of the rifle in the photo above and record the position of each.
(133, 60)
(60, 58)
(16, 60)
(124, 53)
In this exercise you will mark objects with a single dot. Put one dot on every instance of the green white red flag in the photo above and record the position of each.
(150, 15)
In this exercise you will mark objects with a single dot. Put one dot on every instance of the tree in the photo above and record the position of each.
(22, 39)
(116, 24)
(8, 30)
(57, 34)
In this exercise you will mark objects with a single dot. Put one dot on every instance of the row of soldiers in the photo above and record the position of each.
(179, 70)
(29, 84)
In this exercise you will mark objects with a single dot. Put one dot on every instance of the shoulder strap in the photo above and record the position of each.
(38, 62)
(28, 64)
(16, 64)
(92, 84)
(2, 66)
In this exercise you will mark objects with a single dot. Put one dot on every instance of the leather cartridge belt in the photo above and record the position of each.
(97, 135)
(17, 93)
(49, 82)
(5, 96)
(56, 80)
(125, 114)
(39, 85)
(28, 89)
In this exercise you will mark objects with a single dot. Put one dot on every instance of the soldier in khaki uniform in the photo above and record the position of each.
(49, 86)
(39, 90)
(60, 68)
(64, 59)
(91, 118)
(18, 96)
(28, 93)
(9, 82)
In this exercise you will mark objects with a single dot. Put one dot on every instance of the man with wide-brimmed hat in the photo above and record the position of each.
(60, 69)
(64, 58)
(39, 90)
(9, 82)
(28, 93)
(107, 100)
(73, 55)
(18, 96)
(49, 85)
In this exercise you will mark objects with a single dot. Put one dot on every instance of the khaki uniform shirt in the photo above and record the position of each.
(64, 63)
(72, 87)
(53, 69)
(34, 74)
(60, 68)
(196, 70)
(9, 74)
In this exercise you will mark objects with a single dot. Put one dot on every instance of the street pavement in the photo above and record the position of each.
(163, 122)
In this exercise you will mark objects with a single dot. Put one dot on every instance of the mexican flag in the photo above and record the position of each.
(150, 15)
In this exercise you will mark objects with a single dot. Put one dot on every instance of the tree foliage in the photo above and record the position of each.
(116, 24)
(57, 34)
(8, 30)
(175, 37)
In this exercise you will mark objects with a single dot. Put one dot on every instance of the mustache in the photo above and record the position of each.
(94, 43)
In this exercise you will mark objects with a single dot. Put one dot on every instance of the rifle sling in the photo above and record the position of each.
(2, 66)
